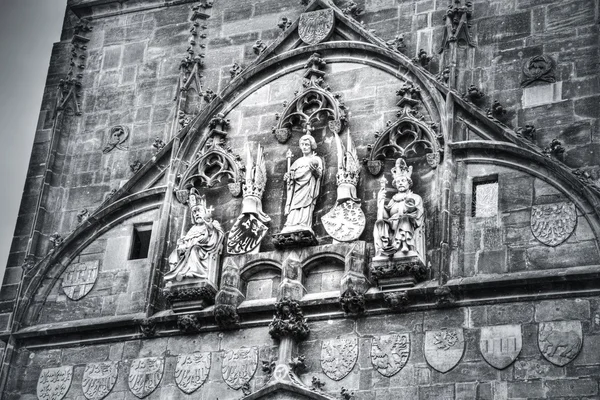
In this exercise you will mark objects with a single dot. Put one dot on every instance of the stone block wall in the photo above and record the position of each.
(130, 78)
(530, 376)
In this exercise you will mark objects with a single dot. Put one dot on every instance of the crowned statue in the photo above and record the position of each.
(398, 232)
(197, 253)
(303, 182)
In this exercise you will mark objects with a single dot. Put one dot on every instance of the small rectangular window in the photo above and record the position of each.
(140, 242)
(485, 197)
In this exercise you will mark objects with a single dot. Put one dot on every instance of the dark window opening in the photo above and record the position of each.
(140, 242)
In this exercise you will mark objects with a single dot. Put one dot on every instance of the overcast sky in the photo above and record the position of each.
(28, 28)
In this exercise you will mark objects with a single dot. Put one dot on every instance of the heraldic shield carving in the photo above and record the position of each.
(191, 371)
(316, 26)
(338, 357)
(54, 383)
(239, 366)
(444, 348)
(389, 353)
(500, 345)
(553, 223)
(145, 375)
(79, 279)
(99, 379)
(560, 341)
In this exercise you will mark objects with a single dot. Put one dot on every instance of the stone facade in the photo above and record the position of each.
(152, 105)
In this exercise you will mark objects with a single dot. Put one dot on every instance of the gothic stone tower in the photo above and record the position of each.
(267, 199)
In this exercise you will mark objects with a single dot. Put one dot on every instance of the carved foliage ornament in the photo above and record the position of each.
(54, 383)
(192, 370)
(99, 379)
(500, 345)
(79, 278)
(444, 348)
(338, 357)
(316, 26)
(145, 375)
(239, 366)
(538, 68)
(560, 341)
(389, 353)
(553, 223)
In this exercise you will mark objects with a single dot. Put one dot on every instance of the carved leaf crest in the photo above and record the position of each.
(192, 370)
(389, 353)
(444, 348)
(338, 357)
(54, 383)
(79, 278)
(99, 379)
(553, 223)
(239, 366)
(144, 375)
(316, 26)
(560, 341)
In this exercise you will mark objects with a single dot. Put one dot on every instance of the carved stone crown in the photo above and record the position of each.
(195, 200)
(253, 188)
(401, 169)
(347, 177)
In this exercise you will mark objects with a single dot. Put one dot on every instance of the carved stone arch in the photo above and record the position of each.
(52, 266)
(287, 391)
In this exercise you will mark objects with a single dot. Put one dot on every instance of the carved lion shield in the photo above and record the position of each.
(316, 26)
(54, 383)
(191, 371)
(99, 379)
(145, 375)
(345, 222)
(338, 357)
(560, 341)
(389, 353)
(500, 345)
(553, 223)
(79, 279)
(444, 348)
(239, 366)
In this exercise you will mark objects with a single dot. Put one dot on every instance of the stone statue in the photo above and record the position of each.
(398, 231)
(303, 182)
(197, 252)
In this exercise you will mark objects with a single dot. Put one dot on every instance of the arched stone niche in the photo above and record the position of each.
(322, 275)
(260, 282)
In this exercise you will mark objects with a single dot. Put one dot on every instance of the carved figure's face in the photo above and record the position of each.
(402, 184)
(305, 146)
(198, 215)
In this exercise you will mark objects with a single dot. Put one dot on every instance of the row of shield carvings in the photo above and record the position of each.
(559, 342)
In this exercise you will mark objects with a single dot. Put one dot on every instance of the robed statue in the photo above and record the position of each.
(197, 252)
(398, 231)
(303, 183)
